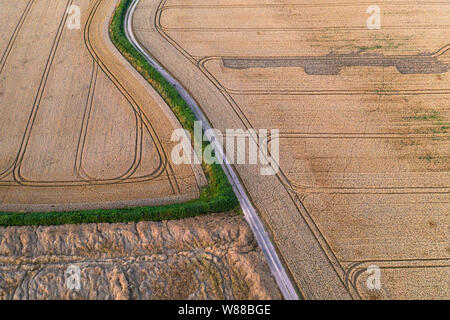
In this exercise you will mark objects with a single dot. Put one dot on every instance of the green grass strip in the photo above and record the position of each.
(217, 196)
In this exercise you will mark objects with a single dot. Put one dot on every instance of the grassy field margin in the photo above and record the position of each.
(217, 196)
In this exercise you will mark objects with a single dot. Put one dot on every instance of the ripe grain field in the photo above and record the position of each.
(364, 121)
(79, 127)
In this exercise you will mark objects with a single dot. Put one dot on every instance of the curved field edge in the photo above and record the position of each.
(217, 196)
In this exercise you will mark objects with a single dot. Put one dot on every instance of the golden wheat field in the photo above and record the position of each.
(79, 128)
(364, 119)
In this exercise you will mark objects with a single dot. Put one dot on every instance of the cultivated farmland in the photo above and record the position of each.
(79, 127)
(364, 121)
(206, 257)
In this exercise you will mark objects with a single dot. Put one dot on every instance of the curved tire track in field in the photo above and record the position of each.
(141, 122)
(98, 64)
(26, 136)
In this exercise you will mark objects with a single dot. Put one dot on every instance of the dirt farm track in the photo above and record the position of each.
(364, 128)
(363, 114)
(79, 127)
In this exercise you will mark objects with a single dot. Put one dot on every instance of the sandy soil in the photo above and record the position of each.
(79, 128)
(364, 119)
(209, 257)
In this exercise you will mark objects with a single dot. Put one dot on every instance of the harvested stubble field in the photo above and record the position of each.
(364, 118)
(79, 127)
